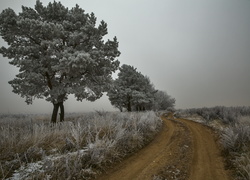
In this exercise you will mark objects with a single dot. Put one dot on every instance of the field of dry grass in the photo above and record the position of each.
(80, 148)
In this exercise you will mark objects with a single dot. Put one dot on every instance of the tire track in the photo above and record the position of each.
(207, 162)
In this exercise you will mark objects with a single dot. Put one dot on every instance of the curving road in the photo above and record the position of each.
(182, 150)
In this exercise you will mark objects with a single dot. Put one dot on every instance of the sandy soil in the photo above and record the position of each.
(182, 150)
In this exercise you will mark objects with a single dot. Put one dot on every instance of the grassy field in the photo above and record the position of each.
(80, 148)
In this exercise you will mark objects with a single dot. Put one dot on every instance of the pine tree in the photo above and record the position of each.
(131, 90)
(163, 101)
(58, 52)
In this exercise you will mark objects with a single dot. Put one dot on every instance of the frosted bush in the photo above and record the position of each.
(236, 143)
(234, 138)
(229, 139)
(228, 115)
(243, 162)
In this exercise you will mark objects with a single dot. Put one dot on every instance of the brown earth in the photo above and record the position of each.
(182, 150)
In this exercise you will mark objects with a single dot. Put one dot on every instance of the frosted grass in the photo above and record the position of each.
(79, 148)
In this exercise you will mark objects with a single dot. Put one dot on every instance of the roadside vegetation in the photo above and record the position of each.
(233, 124)
(80, 148)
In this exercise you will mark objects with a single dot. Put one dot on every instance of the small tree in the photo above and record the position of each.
(131, 90)
(58, 52)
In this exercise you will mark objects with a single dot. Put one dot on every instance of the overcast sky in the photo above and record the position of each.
(198, 51)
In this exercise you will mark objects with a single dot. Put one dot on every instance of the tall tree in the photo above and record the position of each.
(131, 90)
(162, 101)
(58, 52)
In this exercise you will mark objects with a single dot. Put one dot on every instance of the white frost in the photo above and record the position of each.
(25, 171)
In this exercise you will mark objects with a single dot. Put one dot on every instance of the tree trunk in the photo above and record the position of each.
(61, 111)
(129, 106)
(54, 114)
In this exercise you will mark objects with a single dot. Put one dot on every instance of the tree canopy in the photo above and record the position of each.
(58, 51)
(131, 89)
(134, 91)
(162, 101)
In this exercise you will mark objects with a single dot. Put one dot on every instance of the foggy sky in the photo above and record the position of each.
(198, 51)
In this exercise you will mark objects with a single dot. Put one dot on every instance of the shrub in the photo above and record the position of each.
(236, 143)
(242, 161)
(235, 138)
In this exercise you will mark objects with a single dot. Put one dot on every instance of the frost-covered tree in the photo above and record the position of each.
(163, 101)
(143, 99)
(131, 90)
(58, 51)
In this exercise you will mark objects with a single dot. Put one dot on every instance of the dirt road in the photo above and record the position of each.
(182, 150)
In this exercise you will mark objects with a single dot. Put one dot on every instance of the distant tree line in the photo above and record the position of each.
(133, 91)
(225, 114)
